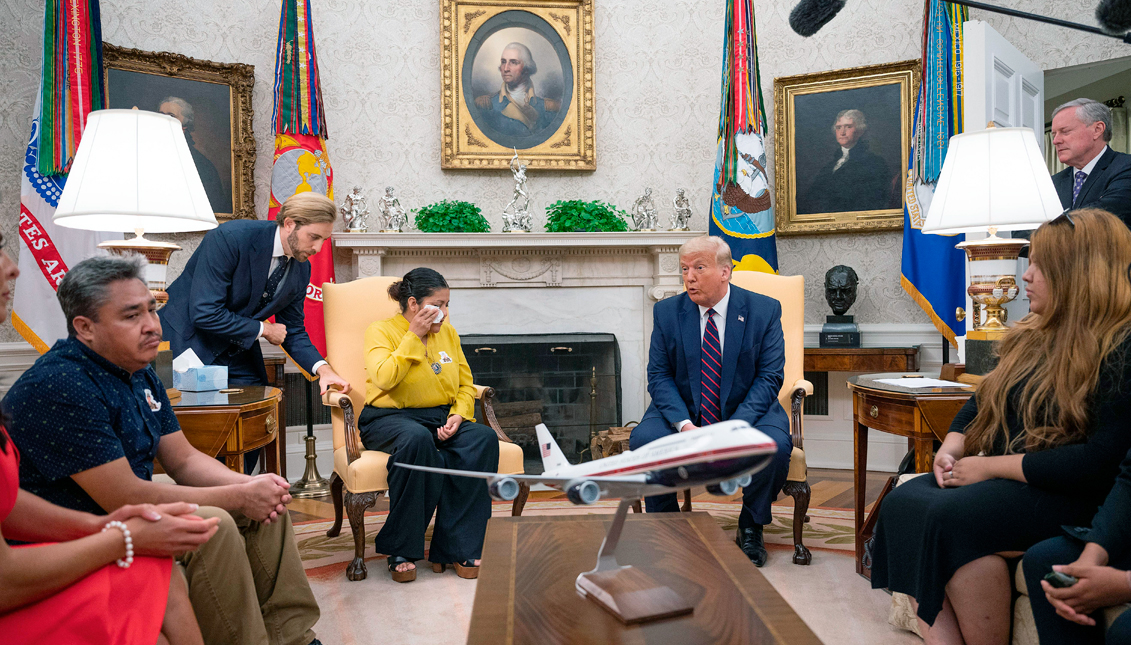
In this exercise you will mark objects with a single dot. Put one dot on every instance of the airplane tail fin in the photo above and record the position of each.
(552, 456)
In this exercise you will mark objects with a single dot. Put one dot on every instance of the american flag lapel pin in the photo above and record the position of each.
(741, 319)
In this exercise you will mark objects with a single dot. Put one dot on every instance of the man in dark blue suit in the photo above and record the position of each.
(718, 354)
(243, 273)
(1096, 176)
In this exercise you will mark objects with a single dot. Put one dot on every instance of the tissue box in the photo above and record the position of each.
(201, 379)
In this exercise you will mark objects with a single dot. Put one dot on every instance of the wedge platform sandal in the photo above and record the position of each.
(465, 569)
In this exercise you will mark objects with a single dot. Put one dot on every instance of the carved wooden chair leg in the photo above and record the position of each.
(520, 501)
(636, 508)
(336, 484)
(686, 508)
(356, 503)
(800, 492)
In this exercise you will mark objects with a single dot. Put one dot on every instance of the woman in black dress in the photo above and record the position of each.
(1038, 447)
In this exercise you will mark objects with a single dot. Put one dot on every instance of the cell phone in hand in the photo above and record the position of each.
(1060, 580)
(439, 313)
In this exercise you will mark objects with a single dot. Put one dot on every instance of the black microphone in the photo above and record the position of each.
(1114, 16)
(809, 16)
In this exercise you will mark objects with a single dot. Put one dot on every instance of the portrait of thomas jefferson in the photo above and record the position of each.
(205, 112)
(853, 177)
(182, 111)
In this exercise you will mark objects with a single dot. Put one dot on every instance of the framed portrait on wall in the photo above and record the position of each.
(841, 145)
(213, 103)
(517, 76)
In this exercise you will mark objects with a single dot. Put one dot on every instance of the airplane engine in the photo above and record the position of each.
(583, 492)
(503, 489)
(725, 488)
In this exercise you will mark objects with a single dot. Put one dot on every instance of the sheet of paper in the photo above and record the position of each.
(187, 359)
(920, 382)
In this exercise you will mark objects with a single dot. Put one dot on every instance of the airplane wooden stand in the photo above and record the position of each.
(625, 591)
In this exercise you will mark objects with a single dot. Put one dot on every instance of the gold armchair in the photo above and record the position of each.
(349, 309)
(790, 292)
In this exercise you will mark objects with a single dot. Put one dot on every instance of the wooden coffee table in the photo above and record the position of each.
(526, 588)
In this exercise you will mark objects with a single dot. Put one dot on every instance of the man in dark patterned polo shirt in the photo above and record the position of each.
(90, 417)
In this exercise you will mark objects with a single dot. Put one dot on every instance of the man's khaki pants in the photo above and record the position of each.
(247, 584)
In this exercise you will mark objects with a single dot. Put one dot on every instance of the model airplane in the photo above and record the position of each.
(721, 457)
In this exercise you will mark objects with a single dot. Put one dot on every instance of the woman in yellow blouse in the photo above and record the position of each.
(419, 407)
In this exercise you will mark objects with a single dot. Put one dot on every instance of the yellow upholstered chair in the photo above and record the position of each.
(790, 292)
(349, 309)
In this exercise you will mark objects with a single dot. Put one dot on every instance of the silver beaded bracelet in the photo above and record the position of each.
(121, 526)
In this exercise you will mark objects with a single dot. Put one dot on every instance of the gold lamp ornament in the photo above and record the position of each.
(133, 172)
(992, 180)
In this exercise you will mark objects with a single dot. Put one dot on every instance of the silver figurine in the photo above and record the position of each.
(681, 217)
(355, 211)
(644, 213)
(393, 216)
(516, 214)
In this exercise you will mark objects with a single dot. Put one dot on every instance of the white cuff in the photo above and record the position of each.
(260, 335)
(679, 426)
(314, 370)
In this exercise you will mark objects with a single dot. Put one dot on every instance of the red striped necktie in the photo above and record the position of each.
(711, 375)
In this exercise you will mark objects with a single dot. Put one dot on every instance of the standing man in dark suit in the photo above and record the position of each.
(243, 273)
(1096, 176)
(718, 354)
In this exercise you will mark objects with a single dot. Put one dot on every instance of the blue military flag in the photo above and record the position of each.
(933, 271)
(741, 210)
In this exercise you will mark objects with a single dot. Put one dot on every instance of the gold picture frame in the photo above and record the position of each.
(482, 127)
(819, 188)
(218, 118)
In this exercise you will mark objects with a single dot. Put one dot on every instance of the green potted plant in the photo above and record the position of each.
(576, 216)
(450, 216)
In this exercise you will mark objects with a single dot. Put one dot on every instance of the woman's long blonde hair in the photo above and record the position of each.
(1056, 354)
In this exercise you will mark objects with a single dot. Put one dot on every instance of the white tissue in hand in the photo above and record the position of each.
(188, 359)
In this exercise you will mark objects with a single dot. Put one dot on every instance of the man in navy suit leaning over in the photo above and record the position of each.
(718, 354)
(243, 273)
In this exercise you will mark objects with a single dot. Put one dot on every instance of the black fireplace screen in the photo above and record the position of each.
(570, 382)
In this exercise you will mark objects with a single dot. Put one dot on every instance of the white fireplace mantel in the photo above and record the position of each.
(471, 260)
(523, 283)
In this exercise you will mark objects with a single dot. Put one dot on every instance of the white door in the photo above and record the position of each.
(1001, 85)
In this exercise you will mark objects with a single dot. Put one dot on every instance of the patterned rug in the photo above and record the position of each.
(827, 528)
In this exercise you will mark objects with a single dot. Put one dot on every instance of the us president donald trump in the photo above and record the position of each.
(717, 354)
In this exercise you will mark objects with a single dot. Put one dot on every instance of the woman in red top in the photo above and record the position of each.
(95, 579)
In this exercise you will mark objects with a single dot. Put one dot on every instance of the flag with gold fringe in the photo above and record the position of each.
(933, 271)
(71, 87)
(741, 210)
(301, 161)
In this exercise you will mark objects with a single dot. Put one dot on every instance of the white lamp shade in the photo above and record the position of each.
(995, 177)
(133, 170)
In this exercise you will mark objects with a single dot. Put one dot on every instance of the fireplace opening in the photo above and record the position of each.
(570, 382)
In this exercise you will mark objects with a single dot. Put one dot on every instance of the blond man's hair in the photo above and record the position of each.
(308, 208)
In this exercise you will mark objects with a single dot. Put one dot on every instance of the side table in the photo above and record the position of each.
(920, 414)
(229, 425)
(862, 359)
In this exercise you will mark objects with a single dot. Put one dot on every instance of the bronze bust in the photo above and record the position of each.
(840, 288)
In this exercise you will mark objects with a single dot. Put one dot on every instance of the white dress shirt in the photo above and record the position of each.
(277, 254)
(720, 322)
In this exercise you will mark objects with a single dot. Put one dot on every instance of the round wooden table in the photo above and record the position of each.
(231, 424)
(920, 414)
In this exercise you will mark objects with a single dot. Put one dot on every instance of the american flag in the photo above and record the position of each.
(545, 450)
